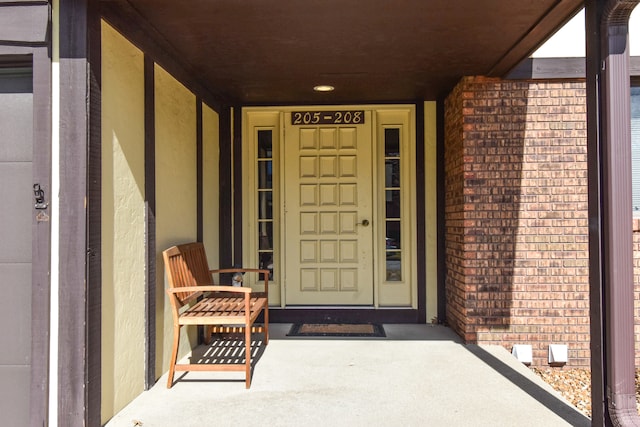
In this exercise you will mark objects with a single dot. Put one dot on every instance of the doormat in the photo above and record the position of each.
(336, 330)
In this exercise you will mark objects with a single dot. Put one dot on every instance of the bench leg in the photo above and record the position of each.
(247, 356)
(174, 355)
(266, 325)
(208, 331)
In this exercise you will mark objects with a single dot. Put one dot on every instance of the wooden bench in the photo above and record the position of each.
(196, 300)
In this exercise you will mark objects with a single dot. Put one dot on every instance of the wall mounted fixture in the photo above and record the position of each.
(558, 354)
(323, 88)
(523, 353)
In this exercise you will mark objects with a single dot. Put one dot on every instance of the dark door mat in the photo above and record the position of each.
(336, 330)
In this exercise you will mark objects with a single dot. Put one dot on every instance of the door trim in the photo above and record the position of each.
(41, 260)
(78, 257)
(263, 118)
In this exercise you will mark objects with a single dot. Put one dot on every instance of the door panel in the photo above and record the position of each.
(328, 211)
(16, 187)
(16, 193)
(14, 395)
(16, 349)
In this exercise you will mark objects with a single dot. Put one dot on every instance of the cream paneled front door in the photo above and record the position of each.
(328, 213)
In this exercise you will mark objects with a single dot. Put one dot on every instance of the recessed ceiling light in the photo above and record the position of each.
(323, 88)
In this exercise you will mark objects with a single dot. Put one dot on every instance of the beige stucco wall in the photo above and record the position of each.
(176, 198)
(123, 243)
(123, 216)
(431, 208)
(211, 184)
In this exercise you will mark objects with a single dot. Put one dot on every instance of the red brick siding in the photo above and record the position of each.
(516, 215)
(636, 281)
(456, 294)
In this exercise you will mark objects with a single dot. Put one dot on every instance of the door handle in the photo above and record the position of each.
(38, 193)
(364, 223)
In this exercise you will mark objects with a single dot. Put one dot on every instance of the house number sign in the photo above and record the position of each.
(327, 117)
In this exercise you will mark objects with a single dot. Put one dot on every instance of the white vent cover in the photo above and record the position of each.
(558, 354)
(523, 353)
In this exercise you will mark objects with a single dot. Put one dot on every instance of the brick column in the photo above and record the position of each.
(516, 214)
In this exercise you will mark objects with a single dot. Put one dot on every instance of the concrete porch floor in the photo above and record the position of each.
(419, 375)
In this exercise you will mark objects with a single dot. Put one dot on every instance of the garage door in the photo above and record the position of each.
(16, 204)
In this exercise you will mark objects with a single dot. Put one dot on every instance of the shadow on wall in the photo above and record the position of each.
(122, 224)
(516, 214)
(484, 139)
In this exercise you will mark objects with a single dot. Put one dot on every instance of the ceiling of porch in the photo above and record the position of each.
(275, 52)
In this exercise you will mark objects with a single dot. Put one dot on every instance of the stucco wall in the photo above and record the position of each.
(123, 210)
(176, 198)
(123, 243)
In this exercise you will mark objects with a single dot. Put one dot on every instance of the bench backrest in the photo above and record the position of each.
(186, 265)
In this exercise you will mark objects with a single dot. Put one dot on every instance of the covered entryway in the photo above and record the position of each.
(331, 194)
(235, 83)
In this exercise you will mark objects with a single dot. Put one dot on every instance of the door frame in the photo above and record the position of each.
(273, 118)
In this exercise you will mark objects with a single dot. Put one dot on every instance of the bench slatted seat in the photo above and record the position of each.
(196, 300)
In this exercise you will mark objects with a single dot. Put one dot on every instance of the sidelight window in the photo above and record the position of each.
(393, 202)
(265, 199)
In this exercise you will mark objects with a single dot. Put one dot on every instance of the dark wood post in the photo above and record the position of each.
(79, 322)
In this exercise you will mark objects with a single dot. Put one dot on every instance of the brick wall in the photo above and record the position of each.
(516, 215)
(636, 282)
(456, 294)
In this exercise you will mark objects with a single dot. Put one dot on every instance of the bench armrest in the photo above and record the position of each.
(209, 288)
(240, 270)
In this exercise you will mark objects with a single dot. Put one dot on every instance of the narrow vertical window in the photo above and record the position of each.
(265, 199)
(393, 223)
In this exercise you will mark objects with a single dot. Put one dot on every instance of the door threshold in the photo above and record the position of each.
(352, 314)
(327, 307)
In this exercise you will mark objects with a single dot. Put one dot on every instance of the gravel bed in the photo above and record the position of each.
(575, 386)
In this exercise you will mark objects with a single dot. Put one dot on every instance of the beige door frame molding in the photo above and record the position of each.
(389, 290)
